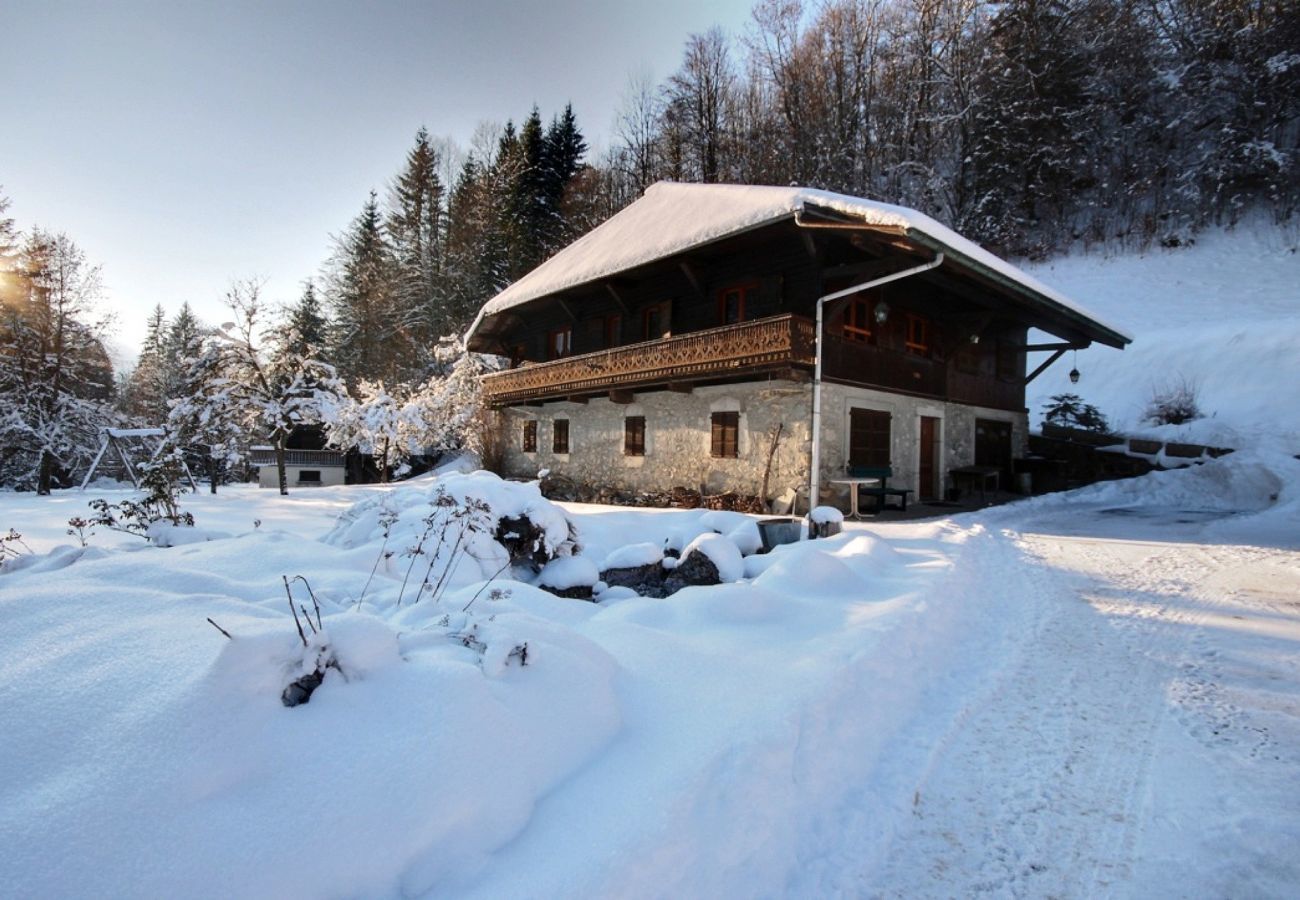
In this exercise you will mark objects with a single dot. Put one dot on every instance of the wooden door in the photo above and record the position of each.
(868, 437)
(993, 447)
(928, 480)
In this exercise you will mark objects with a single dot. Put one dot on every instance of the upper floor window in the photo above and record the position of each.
(732, 302)
(725, 434)
(918, 335)
(859, 322)
(612, 330)
(530, 436)
(560, 436)
(656, 322)
(559, 342)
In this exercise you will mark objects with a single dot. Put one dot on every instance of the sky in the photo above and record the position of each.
(184, 145)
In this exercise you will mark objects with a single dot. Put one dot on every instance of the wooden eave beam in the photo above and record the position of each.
(618, 299)
(567, 311)
(689, 271)
(1047, 362)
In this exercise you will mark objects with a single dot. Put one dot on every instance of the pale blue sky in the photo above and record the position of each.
(185, 144)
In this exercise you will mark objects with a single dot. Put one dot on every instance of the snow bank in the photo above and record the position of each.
(632, 556)
(566, 572)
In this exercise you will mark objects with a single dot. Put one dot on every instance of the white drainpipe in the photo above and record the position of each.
(814, 492)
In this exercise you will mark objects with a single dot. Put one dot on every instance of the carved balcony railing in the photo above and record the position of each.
(740, 349)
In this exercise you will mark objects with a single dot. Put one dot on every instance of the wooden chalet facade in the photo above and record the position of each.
(695, 309)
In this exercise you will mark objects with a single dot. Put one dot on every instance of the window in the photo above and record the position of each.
(918, 335)
(725, 434)
(613, 331)
(559, 342)
(309, 476)
(732, 302)
(530, 437)
(560, 436)
(858, 322)
(656, 322)
(869, 438)
(634, 436)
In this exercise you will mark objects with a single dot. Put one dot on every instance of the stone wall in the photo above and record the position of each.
(957, 433)
(677, 436)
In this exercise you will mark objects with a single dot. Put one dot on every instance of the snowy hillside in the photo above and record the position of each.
(1223, 314)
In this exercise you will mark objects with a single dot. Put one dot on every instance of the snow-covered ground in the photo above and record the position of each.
(1095, 693)
(1222, 315)
(1078, 695)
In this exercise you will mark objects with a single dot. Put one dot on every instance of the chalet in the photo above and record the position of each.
(667, 346)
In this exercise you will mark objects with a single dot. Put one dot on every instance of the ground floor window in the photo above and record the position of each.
(634, 436)
(725, 434)
(530, 437)
(560, 436)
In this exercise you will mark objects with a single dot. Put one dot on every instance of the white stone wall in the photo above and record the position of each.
(330, 476)
(956, 433)
(677, 436)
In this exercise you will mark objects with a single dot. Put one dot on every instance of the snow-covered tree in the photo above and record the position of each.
(55, 376)
(445, 413)
(373, 423)
(209, 418)
(273, 388)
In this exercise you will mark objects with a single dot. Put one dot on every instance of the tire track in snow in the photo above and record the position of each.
(1036, 790)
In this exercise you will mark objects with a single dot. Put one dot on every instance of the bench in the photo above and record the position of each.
(884, 492)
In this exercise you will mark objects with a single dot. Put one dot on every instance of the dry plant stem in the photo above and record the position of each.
(308, 618)
(294, 611)
(453, 564)
(419, 551)
(314, 603)
(466, 607)
(373, 570)
(219, 628)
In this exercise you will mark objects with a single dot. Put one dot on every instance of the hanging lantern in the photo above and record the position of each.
(1074, 373)
(882, 312)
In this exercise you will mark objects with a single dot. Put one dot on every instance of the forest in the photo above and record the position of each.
(1034, 127)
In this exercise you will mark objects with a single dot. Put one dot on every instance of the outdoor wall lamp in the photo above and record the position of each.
(882, 312)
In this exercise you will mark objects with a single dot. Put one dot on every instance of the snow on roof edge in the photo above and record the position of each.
(687, 215)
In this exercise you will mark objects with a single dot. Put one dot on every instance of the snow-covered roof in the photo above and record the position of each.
(671, 218)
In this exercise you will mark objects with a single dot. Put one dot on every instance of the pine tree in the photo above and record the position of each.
(415, 230)
(307, 323)
(367, 339)
(144, 394)
(563, 150)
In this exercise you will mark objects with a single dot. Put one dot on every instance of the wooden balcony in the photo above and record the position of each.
(748, 348)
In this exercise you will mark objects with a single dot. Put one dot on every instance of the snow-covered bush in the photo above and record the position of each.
(160, 480)
(1173, 403)
(455, 531)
